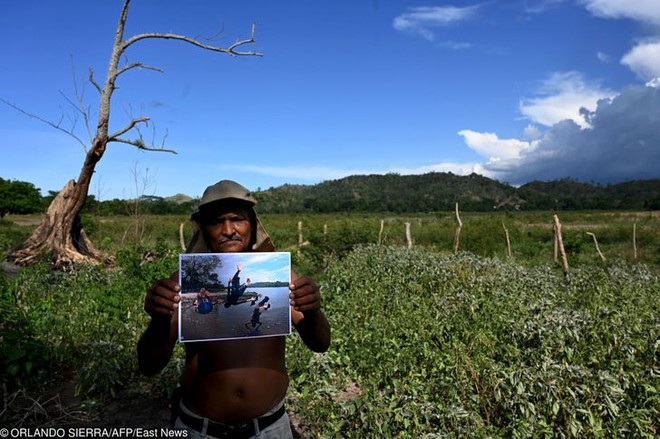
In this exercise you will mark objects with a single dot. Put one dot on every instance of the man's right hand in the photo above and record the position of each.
(162, 299)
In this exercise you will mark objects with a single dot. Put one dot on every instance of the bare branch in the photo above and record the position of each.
(231, 50)
(128, 127)
(140, 65)
(93, 81)
(47, 122)
(139, 144)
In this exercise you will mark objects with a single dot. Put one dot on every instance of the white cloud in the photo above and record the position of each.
(532, 132)
(421, 20)
(622, 143)
(455, 45)
(540, 6)
(560, 97)
(315, 174)
(603, 57)
(644, 59)
(641, 10)
(489, 145)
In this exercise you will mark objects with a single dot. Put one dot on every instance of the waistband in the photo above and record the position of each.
(234, 430)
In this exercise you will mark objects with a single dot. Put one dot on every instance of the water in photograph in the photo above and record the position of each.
(230, 322)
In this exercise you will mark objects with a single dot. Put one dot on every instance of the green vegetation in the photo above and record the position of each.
(461, 346)
(18, 197)
(425, 343)
(399, 194)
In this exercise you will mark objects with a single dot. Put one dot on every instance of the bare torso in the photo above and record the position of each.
(234, 380)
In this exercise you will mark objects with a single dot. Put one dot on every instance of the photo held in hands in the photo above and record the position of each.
(234, 295)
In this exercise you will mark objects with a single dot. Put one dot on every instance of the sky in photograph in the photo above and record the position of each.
(515, 90)
(258, 267)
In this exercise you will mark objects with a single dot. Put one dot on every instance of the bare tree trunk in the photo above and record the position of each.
(61, 232)
(380, 234)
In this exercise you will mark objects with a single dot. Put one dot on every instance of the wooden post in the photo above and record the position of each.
(597, 248)
(560, 244)
(635, 241)
(380, 234)
(181, 240)
(508, 243)
(459, 225)
(408, 237)
(300, 238)
(555, 242)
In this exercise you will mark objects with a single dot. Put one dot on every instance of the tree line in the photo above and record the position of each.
(377, 193)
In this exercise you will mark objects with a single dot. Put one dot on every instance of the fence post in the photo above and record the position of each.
(508, 243)
(181, 239)
(560, 244)
(635, 241)
(380, 234)
(408, 237)
(597, 248)
(459, 225)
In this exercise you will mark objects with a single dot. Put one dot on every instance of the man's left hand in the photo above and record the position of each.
(305, 295)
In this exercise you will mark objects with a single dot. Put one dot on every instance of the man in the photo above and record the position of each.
(230, 388)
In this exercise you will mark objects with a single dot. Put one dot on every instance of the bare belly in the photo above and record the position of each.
(234, 380)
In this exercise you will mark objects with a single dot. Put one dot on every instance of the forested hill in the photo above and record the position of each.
(379, 193)
(440, 191)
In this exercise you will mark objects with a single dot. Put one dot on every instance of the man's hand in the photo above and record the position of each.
(305, 295)
(162, 299)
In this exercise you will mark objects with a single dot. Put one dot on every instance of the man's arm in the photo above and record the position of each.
(307, 316)
(156, 345)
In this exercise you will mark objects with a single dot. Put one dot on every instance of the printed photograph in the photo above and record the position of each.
(234, 295)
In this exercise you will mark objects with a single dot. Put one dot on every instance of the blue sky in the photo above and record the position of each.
(515, 90)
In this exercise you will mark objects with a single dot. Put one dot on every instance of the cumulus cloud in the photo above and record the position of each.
(421, 20)
(489, 145)
(641, 10)
(622, 143)
(644, 59)
(561, 96)
(531, 132)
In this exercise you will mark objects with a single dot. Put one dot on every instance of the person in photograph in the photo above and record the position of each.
(234, 288)
(203, 304)
(255, 321)
(230, 388)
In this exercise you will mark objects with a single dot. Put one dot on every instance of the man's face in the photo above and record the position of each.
(229, 230)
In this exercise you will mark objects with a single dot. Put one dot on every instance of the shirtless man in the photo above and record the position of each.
(230, 388)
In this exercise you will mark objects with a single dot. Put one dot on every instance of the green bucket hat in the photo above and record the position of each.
(224, 191)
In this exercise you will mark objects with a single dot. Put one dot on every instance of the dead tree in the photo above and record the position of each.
(61, 232)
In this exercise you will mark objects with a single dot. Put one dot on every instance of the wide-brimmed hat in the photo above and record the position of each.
(224, 190)
(228, 191)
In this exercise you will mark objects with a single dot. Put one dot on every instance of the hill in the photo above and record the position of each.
(440, 191)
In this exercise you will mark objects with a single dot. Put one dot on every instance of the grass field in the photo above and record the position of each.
(426, 343)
